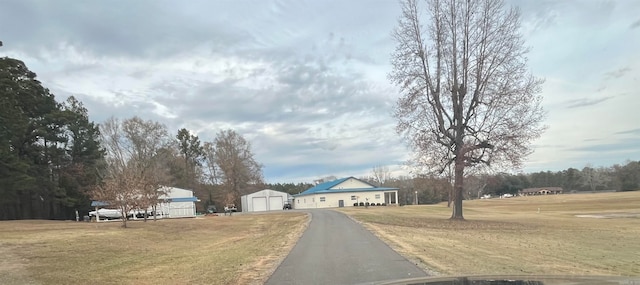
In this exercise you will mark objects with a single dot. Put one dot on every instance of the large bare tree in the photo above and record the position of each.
(467, 98)
(238, 168)
(134, 174)
(145, 140)
(381, 174)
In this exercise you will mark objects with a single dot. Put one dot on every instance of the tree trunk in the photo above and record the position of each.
(123, 216)
(457, 189)
(155, 212)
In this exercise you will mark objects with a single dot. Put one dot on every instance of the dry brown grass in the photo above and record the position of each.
(214, 250)
(509, 236)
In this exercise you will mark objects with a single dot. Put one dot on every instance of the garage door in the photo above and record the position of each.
(275, 203)
(259, 204)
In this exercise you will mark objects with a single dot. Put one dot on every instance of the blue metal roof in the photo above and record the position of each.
(326, 187)
(98, 204)
(182, 199)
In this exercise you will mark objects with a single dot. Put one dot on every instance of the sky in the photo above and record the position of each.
(306, 81)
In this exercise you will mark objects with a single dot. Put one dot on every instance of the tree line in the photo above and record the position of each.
(432, 189)
(54, 160)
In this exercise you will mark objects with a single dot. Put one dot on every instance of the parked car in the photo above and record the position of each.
(230, 208)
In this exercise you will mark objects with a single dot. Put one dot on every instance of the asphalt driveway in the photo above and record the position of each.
(336, 250)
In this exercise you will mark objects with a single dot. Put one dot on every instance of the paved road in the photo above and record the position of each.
(336, 250)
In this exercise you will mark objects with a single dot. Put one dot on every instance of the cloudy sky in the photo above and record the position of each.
(305, 81)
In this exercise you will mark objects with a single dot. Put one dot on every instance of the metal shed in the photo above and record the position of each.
(177, 203)
(265, 200)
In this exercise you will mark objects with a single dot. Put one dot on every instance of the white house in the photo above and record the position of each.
(344, 192)
(264, 200)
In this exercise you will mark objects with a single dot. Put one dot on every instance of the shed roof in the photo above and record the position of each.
(98, 204)
(181, 199)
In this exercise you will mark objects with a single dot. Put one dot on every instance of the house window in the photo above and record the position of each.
(353, 198)
(377, 196)
(322, 199)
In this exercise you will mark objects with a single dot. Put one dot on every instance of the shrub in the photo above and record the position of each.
(361, 203)
(366, 204)
(378, 204)
(355, 204)
(383, 204)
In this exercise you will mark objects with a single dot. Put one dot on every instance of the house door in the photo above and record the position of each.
(340, 203)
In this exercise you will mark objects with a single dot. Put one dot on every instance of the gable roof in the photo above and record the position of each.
(325, 187)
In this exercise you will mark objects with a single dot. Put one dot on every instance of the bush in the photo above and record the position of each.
(378, 204)
(366, 204)
(355, 204)
(361, 203)
(383, 204)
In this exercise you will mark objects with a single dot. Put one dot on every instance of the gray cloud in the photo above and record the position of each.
(617, 73)
(303, 81)
(626, 145)
(584, 102)
(629, 132)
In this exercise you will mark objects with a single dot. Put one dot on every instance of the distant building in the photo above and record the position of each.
(265, 200)
(344, 192)
(540, 191)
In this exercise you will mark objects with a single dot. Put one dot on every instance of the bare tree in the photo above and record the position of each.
(146, 139)
(118, 187)
(211, 169)
(238, 167)
(467, 98)
(381, 174)
(134, 174)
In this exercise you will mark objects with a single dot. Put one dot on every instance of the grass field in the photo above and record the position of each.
(242, 249)
(577, 234)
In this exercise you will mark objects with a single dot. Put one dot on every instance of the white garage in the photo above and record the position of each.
(264, 200)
